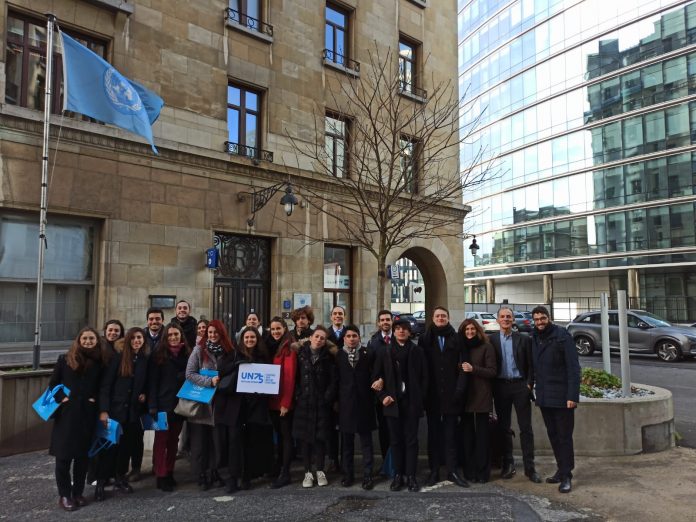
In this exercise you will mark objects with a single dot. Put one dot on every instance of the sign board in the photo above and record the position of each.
(393, 271)
(258, 378)
(287, 304)
(300, 300)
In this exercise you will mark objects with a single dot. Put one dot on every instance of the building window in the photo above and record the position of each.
(243, 109)
(336, 37)
(336, 144)
(409, 164)
(337, 280)
(68, 278)
(407, 66)
(247, 15)
(25, 63)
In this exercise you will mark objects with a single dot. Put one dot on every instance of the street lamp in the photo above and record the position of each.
(474, 246)
(260, 198)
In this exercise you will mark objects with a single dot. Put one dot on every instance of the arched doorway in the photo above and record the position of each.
(434, 277)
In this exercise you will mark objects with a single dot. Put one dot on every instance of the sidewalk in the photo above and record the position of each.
(653, 487)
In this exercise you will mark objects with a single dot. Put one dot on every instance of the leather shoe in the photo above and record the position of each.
(282, 480)
(167, 484)
(99, 494)
(397, 483)
(565, 486)
(67, 504)
(533, 476)
(413, 484)
(123, 486)
(433, 479)
(458, 481)
(508, 471)
(347, 482)
(232, 486)
(367, 483)
(80, 501)
(553, 479)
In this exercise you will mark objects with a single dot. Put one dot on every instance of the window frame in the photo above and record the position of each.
(345, 138)
(243, 111)
(332, 54)
(12, 42)
(334, 292)
(413, 164)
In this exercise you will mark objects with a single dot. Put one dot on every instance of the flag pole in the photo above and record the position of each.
(50, 21)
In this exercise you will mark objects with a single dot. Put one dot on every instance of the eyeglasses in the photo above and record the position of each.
(542, 319)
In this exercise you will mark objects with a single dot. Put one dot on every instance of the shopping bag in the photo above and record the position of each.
(157, 424)
(105, 436)
(46, 405)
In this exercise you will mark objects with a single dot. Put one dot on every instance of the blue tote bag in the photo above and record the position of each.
(105, 436)
(157, 424)
(196, 393)
(46, 405)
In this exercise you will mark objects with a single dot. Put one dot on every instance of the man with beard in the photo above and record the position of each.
(443, 405)
(187, 322)
(557, 376)
(378, 342)
(153, 330)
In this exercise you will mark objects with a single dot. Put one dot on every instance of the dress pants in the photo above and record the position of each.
(128, 447)
(75, 486)
(230, 437)
(205, 448)
(165, 448)
(442, 445)
(314, 450)
(382, 430)
(476, 446)
(348, 453)
(509, 393)
(403, 437)
(283, 427)
(560, 423)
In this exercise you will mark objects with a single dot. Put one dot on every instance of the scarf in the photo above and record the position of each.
(442, 331)
(272, 345)
(471, 343)
(174, 350)
(215, 350)
(314, 354)
(353, 355)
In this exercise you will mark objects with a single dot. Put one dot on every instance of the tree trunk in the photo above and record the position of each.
(382, 281)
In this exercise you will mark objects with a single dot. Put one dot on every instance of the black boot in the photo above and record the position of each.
(203, 483)
(232, 485)
(99, 494)
(282, 480)
(216, 480)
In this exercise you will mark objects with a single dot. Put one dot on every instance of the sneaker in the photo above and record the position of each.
(321, 479)
(308, 481)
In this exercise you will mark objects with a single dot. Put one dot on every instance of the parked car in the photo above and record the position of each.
(420, 319)
(523, 322)
(416, 328)
(485, 319)
(647, 333)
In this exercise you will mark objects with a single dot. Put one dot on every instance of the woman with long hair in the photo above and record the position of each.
(257, 434)
(113, 331)
(201, 329)
(78, 370)
(252, 321)
(205, 450)
(316, 387)
(281, 405)
(122, 397)
(167, 373)
(482, 368)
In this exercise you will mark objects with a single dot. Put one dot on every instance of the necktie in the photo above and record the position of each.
(386, 339)
(442, 343)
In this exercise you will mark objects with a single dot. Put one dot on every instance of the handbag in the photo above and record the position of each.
(105, 436)
(194, 411)
(46, 405)
(194, 392)
(157, 424)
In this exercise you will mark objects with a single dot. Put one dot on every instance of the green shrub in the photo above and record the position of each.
(599, 379)
(588, 391)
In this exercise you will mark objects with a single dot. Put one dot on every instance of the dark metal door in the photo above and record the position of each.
(242, 280)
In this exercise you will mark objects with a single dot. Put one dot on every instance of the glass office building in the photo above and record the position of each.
(589, 109)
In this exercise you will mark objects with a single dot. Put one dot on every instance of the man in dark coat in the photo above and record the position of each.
(187, 322)
(336, 332)
(355, 405)
(378, 342)
(404, 371)
(557, 377)
(153, 330)
(444, 403)
(513, 387)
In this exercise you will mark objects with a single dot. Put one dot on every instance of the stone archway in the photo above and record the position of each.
(434, 277)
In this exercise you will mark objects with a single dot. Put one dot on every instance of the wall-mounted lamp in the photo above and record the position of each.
(261, 197)
(474, 246)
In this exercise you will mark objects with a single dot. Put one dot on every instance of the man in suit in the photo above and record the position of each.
(553, 356)
(356, 412)
(338, 317)
(378, 342)
(513, 387)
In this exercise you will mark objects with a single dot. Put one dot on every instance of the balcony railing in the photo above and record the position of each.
(237, 17)
(408, 88)
(342, 61)
(250, 152)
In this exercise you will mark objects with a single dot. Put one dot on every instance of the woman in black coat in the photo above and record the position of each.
(79, 371)
(315, 393)
(166, 376)
(122, 398)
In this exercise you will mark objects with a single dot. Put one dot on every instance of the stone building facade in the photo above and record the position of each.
(125, 224)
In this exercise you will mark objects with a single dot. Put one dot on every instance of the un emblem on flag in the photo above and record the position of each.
(120, 93)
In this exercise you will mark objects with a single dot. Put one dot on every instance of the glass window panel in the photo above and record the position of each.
(633, 182)
(233, 125)
(616, 232)
(654, 129)
(337, 270)
(637, 238)
(578, 237)
(233, 96)
(681, 220)
(340, 45)
(13, 75)
(656, 178)
(633, 136)
(335, 16)
(613, 186)
(680, 175)
(252, 9)
(328, 41)
(557, 239)
(37, 81)
(578, 194)
(675, 70)
(560, 154)
(678, 122)
(252, 101)
(658, 227)
(251, 130)
(561, 196)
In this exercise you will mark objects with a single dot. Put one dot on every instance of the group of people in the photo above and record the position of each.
(332, 387)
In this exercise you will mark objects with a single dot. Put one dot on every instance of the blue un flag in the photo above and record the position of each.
(94, 88)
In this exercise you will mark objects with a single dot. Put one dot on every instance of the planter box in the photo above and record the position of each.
(610, 427)
(21, 429)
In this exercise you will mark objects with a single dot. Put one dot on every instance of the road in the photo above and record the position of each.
(677, 377)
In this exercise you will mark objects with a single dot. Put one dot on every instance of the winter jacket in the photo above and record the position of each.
(118, 395)
(356, 400)
(556, 367)
(479, 391)
(287, 359)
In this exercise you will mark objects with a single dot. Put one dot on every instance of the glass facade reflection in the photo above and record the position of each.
(590, 111)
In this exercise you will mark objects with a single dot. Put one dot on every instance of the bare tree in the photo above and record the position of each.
(401, 179)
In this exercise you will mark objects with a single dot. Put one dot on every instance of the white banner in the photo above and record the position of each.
(259, 378)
